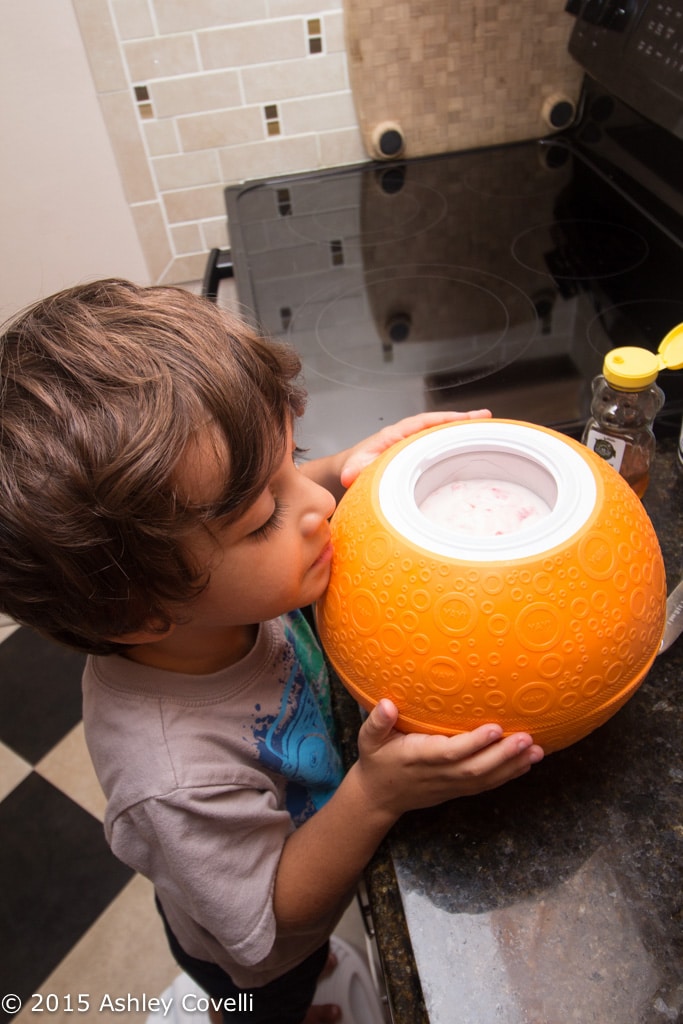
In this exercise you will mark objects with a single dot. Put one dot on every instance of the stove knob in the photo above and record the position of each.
(558, 111)
(387, 140)
(398, 326)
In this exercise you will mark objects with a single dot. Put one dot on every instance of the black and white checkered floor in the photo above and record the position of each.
(75, 922)
(81, 937)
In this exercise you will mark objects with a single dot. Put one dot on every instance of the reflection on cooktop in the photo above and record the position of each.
(633, 322)
(519, 172)
(427, 320)
(493, 278)
(580, 250)
(318, 216)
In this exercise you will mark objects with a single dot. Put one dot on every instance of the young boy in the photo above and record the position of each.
(152, 514)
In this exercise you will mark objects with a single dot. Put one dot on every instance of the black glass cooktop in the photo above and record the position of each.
(496, 278)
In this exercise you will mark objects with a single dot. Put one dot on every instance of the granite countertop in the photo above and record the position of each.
(558, 897)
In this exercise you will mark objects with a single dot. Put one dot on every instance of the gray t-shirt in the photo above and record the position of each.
(206, 776)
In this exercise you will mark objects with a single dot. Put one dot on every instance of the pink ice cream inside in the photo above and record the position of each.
(486, 508)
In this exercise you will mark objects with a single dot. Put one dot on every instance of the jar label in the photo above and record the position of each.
(609, 448)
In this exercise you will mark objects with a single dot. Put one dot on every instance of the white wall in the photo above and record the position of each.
(63, 215)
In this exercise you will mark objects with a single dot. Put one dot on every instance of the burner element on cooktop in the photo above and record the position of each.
(580, 250)
(458, 321)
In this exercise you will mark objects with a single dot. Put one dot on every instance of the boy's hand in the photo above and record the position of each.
(407, 771)
(362, 454)
(395, 772)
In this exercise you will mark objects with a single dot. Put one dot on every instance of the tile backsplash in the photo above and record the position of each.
(445, 76)
(200, 95)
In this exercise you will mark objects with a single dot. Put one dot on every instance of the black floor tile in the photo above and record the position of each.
(58, 875)
(40, 693)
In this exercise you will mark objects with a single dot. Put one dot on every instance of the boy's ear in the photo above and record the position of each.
(149, 635)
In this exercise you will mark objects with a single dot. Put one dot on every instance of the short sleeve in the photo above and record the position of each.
(213, 852)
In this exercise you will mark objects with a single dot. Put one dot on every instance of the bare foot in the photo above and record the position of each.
(330, 965)
(327, 1013)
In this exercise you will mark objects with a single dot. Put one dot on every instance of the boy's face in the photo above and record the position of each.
(275, 558)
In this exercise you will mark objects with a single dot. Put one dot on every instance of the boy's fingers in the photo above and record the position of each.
(485, 747)
(519, 747)
(482, 736)
(380, 721)
(519, 743)
(484, 740)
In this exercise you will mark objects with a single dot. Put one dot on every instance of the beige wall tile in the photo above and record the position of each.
(192, 204)
(123, 126)
(283, 8)
(133, 19)
(224, 128)
(342, 147)
(191, 94)
(253, 44)
(187, 169)
(275, 156)
(160, 57)
(161, 137)
(311, 76)
(333, 32)
(151, 229)
(185, 268)
(215, 233)
(187, 238)
(101, 44)
(318, 113)
(185, 15)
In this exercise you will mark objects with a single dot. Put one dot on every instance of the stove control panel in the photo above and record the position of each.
(635, 49)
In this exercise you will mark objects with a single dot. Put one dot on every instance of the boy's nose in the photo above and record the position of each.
(322, 505)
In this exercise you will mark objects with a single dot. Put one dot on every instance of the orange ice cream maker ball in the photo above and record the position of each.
(549, 629)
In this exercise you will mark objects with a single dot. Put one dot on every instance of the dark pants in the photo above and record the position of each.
(283, 1001)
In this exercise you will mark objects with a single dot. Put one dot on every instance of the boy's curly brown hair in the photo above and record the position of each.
(102, 386)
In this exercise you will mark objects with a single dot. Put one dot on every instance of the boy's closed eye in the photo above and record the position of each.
(276, 519)
(274, 522)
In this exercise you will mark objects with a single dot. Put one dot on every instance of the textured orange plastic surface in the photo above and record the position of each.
(552, 644)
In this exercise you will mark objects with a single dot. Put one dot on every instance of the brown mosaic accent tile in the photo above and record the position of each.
(454, 76)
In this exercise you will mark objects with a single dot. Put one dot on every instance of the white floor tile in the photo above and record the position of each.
(68, 767)
(13, 770)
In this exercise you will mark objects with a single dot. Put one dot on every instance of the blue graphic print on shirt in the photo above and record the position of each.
(298, 742)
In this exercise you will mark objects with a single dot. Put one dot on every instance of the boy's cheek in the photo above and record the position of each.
(324, 583)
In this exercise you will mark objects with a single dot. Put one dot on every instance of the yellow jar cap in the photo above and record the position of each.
(671, 349)
(631, 368)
